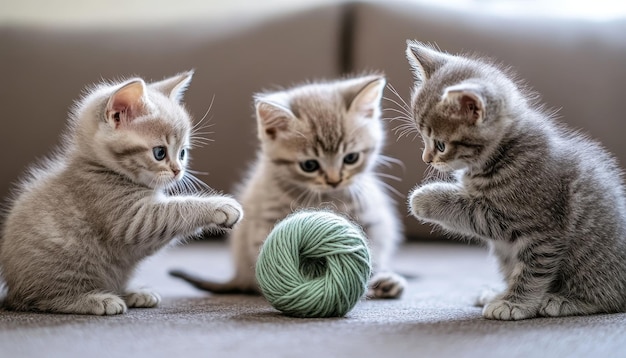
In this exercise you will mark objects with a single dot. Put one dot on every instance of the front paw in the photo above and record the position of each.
(142, 299)
(386, 285)
(508, 311)
(423, 199)
(228, 212)
(556, 306)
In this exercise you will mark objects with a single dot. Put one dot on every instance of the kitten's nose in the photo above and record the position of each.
(175, 171)
(427, 157)
(333, 178)
(334, 184)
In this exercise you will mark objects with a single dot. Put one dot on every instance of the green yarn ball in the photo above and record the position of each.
(314, 264)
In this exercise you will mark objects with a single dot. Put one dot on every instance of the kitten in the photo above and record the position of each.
(320, 143)
(548, 201)
(84, 219)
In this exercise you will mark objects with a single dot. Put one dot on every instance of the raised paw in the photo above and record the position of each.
(142, 299)
(508, 311)
(386, 285)
(423, 200)
(228, 212)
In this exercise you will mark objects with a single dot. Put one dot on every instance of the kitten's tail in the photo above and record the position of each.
(230, 287)
(3, 292)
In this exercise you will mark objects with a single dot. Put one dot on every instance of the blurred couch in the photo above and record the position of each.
(577, 65)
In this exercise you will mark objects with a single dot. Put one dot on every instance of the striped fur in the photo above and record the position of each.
(82, 220)
(548, 201)
(325, 122)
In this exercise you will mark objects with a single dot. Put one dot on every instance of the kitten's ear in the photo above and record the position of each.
(424, 59)
(175, 86)
(367, 99)
(467, 103)
(126, 104)
(272, 118)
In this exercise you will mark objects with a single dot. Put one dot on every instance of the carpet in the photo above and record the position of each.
(434, 318)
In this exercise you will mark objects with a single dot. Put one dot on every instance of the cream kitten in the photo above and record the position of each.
(320, 143)
(83, 220)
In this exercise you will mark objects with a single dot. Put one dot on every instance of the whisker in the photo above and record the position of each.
(388, 161)
(405, 130)
(205, 114)
(388, 176)
(195, 172)
(403, 113)
(402, 109)
(198, 134)
(196, 143)
(198, 184)
(197, 137)
(391, 189)
(394, 91)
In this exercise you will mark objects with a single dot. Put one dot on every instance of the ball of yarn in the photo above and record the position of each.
(314, 264)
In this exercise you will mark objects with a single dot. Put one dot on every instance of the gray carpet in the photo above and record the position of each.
(435, 318)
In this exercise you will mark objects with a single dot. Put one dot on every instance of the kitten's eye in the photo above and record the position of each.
(310, 165)
(441, 146)
(351, 158)
(159, 153)
(183, 152)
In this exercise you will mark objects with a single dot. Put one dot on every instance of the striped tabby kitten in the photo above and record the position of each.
(83, 220)
(320, 144)
(548, 201)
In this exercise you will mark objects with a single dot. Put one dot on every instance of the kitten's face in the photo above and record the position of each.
(154, 152)
(142, 131)
(325, 163)
(457, 107)
(323, 136)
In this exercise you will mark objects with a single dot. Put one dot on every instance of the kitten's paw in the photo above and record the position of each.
(386, 285)
(508, 311)
(486, 296)
(142, 299)
(423, 200)
(228, 212)
(98, 304)
(557, 306)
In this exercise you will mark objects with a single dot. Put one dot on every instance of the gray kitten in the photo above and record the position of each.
(548, 201)
(320, 144)
(84, 219)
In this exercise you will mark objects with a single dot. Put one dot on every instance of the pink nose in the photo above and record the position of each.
(175, 171)
(334, 184)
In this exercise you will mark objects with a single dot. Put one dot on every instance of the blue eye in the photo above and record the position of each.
(183, 152)
(441, 146)
(310, 165)
(159, 153)
(351, 158)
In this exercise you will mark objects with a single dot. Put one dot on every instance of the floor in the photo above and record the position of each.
(434, 318)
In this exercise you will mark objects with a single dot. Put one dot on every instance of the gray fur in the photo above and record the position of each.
(548, 201)
(323, 121)
(82, 221)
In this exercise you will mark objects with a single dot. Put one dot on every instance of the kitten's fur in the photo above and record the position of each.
(84, 219)
(325, 122)
(548, 201)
